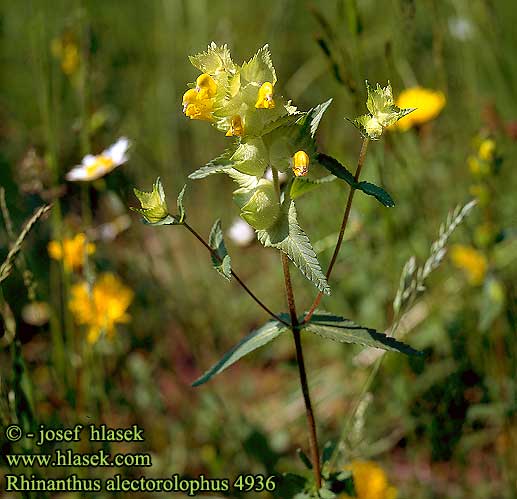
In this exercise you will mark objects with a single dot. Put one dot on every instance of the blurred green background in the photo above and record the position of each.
(444, 426)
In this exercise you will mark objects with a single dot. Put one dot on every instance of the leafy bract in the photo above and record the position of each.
(338, 328)
(259, 68)
(221, 262)
(287, 236)
(154, 208)
(254, 340)
(214, 61)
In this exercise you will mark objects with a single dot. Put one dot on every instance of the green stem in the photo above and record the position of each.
(344, 223)
(295, 327)
(237, 278)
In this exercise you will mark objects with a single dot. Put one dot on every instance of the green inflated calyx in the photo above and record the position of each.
(259, 206)
(154, 208)
(382, 112)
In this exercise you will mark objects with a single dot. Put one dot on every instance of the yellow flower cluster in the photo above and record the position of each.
(428, 103)
(102, 307)
(73, 251)
(471, 261)
(370, 481)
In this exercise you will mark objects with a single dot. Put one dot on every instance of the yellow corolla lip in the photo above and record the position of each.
(265, 96)
(236, 127)
(301, 163)
(94, 167)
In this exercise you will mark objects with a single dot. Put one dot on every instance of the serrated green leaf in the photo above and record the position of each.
(340, 171)
(259, 68)
(214, 60)
(287, 236)
(221, 164)
(254, 340)
(216, 242)
(377, 192)
(336, 168)
(338, 328)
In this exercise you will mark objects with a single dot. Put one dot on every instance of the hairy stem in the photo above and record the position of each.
(237, 278)
(344, 223)
(295, 327)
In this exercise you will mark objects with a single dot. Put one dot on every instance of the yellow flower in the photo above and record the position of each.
(265, 96)
(102, 307)
(236, 127)
(206, 87)
(72, 251)
(67, 51)
(471, 261)
(428, 104)
(300, 163)
(370, 481)
(197, 107)
(486, 150)
(94, 167)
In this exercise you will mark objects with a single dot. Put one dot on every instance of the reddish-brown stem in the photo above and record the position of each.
(236, 277)
(344, 223)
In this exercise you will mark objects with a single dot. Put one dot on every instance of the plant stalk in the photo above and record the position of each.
(344, 223)
(237, 278)
(295, 327)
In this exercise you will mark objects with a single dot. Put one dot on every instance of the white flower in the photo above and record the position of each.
(94, 167)
(241, 233)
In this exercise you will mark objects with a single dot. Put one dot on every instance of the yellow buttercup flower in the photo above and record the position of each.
(236, 127)
(428, 103)
(487, 150)
(265, 96)
(370, 481)
(102, 307)
(471, 261)
(72, 251)
(300, 163)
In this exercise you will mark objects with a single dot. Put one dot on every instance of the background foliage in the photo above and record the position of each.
(443, 426)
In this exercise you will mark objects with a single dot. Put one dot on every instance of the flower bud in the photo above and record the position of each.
(154, 206)
(300, 163)
(206, 86)
(236, 127)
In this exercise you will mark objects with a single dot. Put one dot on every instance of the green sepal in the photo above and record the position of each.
(251, 342)
(223, 264)
(338, 328)
(287, 236)
(179, 203)
(340, 171)
(154, 208)
(250, 157)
